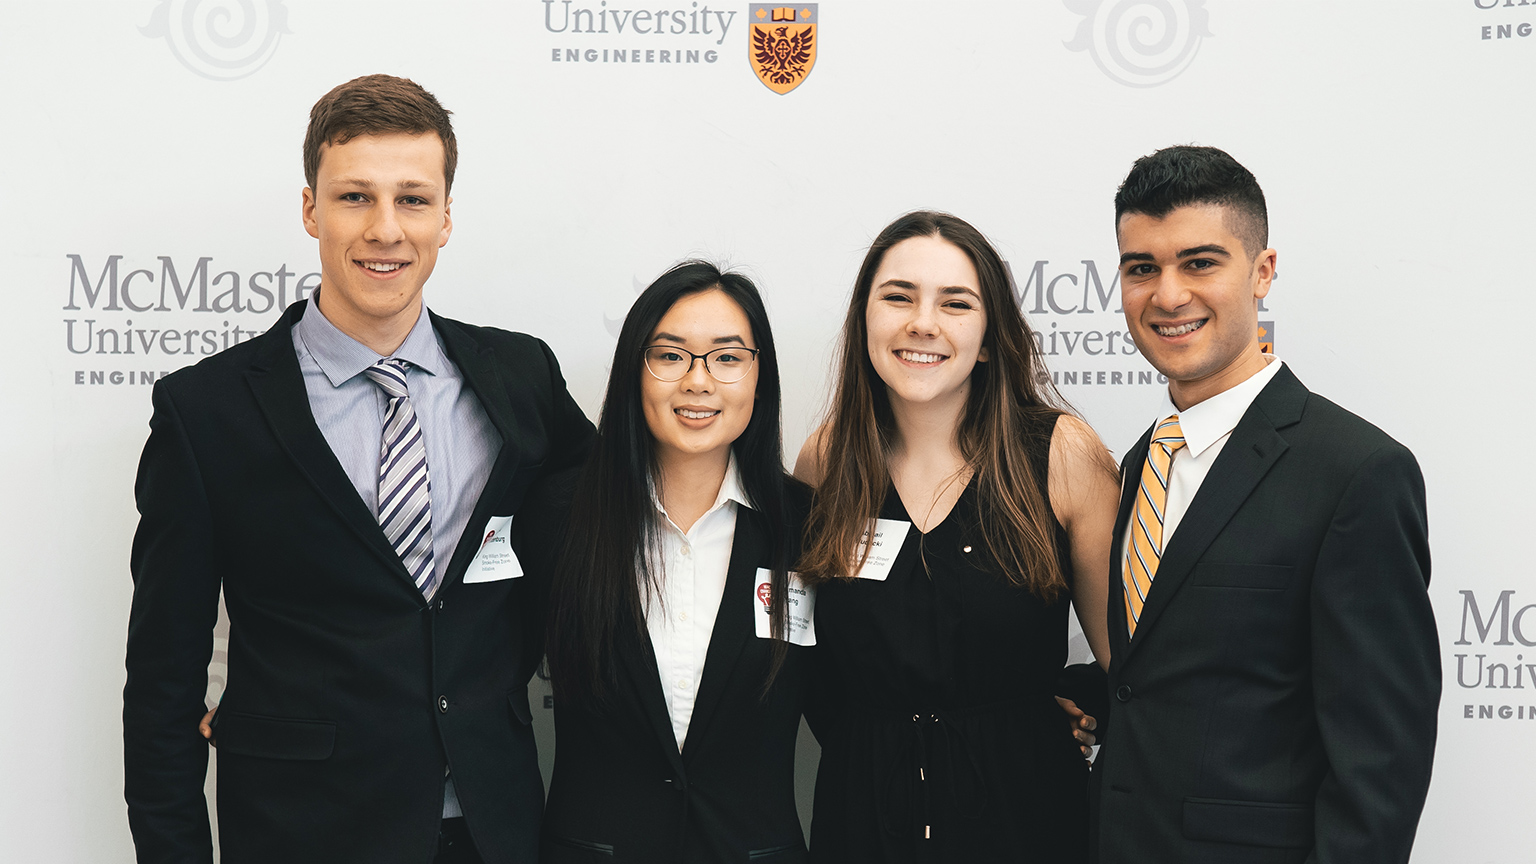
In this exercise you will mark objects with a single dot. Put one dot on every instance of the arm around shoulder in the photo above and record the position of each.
(570, 433)
(541, 520)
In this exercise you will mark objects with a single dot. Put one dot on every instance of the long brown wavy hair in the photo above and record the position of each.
(1008, 391)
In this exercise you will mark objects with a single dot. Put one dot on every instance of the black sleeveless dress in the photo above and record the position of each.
(941, 739)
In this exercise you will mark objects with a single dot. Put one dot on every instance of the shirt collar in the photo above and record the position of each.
(730, 490)
(342, 358)
(1210, 421)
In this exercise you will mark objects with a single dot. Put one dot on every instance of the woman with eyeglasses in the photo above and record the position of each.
(677, 635)
(959, 510)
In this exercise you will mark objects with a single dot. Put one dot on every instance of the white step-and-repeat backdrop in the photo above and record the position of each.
(150, 217)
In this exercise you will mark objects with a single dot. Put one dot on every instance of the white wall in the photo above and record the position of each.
(1393, 141)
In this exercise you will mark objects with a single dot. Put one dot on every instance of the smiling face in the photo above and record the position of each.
(1191, 297)
(380, 211)
(926, 323)
(697, 416)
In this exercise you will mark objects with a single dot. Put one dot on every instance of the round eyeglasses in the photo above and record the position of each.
(726, 365)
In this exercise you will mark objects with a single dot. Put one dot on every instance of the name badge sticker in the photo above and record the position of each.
(889, 536)
(495, 560)
(801, 620)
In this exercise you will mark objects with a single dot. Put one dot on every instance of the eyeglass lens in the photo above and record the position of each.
(726, 365)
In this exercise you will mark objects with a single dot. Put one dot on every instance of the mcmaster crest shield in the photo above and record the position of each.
(781, 44)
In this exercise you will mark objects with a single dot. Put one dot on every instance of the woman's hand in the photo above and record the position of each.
(205, 726)
(1082, 725)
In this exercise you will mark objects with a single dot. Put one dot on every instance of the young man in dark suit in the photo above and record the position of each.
(350, 479)
(1275, 674)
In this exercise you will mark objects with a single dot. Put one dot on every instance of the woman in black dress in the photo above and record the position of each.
(679, 674)
(943, 638)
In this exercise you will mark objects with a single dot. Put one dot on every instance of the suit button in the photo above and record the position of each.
(442, 704)
(1124, 693)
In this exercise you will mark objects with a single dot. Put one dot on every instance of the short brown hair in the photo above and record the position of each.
(377, 105)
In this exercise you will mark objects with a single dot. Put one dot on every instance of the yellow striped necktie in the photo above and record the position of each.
(1145, 548)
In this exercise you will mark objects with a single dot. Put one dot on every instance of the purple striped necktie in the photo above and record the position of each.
(405, 504)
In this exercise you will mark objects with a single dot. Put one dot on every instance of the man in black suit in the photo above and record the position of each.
(350, 479)
(1275, 673)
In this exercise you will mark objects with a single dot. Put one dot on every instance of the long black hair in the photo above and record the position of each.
(604, 572)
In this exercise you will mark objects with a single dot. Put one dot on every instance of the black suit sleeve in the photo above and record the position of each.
(1375, 665)
(170, 640)
(540, 522)
(571, 433)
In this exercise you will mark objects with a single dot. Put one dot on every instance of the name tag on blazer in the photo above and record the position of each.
(495, 560)
(884, 537)
(800, 622)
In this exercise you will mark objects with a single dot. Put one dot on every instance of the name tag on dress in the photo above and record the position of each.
(888, 537)
(800, 620)
(495, 561)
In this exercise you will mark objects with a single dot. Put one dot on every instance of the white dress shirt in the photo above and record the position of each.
(1206, 427)
(691, 568)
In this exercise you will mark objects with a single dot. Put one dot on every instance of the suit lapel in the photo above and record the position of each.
(734, 624)
(477, 364)
(277, 384)
(646, 681)
(1130, 472)
(1255, 446)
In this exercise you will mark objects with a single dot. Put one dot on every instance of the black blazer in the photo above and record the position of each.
(1278, 703)
(348, 694)
(621, 792)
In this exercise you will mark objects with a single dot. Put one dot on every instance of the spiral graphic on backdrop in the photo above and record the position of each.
(220, 39)
(1140, 43)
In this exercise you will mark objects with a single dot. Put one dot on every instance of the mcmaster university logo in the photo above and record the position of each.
(1493, 674)
(782, 44)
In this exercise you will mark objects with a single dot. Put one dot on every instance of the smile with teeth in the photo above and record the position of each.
(917, 357)
(694, 415)
(1164, 330)
(381, 267)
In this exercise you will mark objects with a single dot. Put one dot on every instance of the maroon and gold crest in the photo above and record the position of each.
(781, 44)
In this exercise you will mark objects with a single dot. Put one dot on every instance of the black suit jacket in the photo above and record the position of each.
(347, 693)
(1278, 702)
(622, 792)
